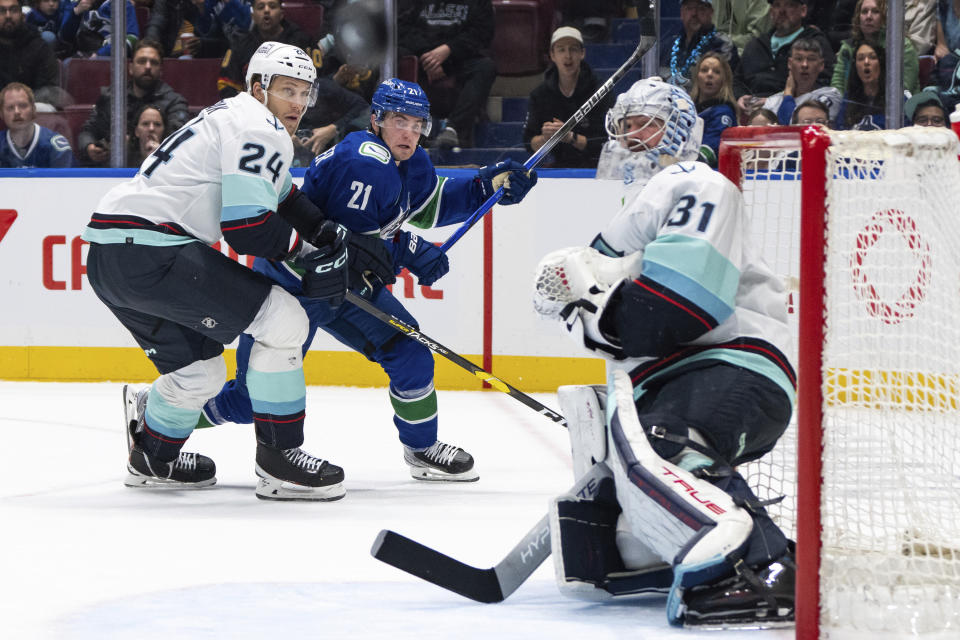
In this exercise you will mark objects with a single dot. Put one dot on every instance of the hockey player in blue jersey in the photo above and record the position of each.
(373, 182)
(25, 143)
(674, 293)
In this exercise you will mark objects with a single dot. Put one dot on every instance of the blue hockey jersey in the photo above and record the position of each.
(358, 184)
(48, 149)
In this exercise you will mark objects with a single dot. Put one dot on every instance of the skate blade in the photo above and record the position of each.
(747, 622)
(137, 481)
(273, 489)
(129, 414)
(425, 474)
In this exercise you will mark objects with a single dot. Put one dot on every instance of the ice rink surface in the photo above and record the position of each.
(85, 557)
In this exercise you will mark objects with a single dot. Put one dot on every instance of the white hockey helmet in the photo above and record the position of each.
(278, 59)
(668, 103)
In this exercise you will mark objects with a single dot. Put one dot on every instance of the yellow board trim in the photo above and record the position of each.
(337, 368)
(910, 390)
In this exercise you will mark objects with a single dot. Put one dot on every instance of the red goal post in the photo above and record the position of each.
(864, 228)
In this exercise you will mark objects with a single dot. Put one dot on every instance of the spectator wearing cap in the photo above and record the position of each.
(567, 84)
(926, 109)
(764, 64)
(680, 54)
(804, 67)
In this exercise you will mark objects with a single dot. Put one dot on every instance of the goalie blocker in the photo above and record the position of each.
(681, 526)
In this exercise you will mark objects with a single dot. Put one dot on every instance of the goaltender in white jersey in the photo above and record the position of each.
(674, 294)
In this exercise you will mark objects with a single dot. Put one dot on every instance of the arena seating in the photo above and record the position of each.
(83, 77)
(307, 15)
(195, 79)
(521, 38)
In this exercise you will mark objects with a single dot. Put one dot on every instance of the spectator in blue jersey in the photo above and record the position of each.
(87, 26)
(679, 54)
(374, 182)
(566, 86)
(713, 95)
(46, 17)
(25, 143)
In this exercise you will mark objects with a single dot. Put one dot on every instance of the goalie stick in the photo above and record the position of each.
(483, 585)
(647, 40)
(415, 334)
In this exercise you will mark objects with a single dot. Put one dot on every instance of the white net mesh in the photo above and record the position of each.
(890, 564)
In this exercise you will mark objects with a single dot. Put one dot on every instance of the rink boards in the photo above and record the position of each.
(52, 326)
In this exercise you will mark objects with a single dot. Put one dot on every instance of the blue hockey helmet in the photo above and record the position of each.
(401, 96)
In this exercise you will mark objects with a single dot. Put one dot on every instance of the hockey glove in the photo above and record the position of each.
(509, 174)
(326, 276)
(576, 285)
(422, 258)
(370, 260)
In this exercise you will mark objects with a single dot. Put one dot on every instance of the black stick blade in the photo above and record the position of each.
(427, 564)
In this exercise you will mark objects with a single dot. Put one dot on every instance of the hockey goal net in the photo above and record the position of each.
(873, 480)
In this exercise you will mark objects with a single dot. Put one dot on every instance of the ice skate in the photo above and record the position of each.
(761, 598)
(187, 471)
(440, 462)
(294, 474)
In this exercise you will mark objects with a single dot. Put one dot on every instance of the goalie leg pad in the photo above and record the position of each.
(583, 406)
(691, 524)
(583, 538)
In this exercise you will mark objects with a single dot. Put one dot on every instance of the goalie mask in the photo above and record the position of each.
(401, 96)
(276, 59)
(669, 119)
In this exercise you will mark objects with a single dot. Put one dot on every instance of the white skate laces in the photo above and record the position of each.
(186, 462)
(302, 459)
(441, 453)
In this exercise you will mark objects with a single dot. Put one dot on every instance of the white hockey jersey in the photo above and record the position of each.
(230, 163)
(700, 267)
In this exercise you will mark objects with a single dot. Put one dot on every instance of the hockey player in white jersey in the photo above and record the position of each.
(224, 174)
(675, 296)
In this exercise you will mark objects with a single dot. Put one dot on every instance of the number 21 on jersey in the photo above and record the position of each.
(359, 190)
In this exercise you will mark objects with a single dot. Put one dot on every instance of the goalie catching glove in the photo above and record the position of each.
(578, 285)
(509, 174)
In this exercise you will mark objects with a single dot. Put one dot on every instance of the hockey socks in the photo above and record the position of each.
(415, 415)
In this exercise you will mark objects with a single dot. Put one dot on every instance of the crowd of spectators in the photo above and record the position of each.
(742, 62)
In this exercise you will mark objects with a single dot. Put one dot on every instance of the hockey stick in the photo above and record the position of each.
(483, 585)
(647, 40)
(415, 334)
